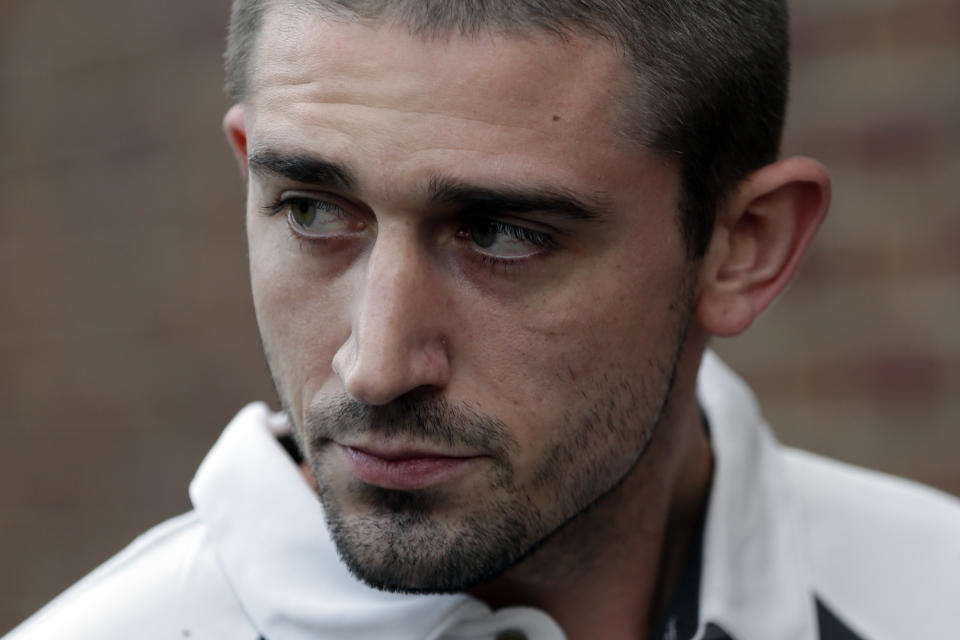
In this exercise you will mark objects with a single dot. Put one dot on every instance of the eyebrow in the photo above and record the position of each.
(444, 190)
(482, 199)
(302, 168)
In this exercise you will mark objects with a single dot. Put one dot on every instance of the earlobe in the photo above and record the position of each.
(761, 234)
(234, 126)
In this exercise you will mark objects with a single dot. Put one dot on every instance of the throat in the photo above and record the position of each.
(614, 596)
(627, 564)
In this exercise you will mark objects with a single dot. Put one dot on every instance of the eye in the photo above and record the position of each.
(314, 217)
(503, 240)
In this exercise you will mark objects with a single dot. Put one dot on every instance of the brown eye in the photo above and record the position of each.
(502, 239)
(483, 232)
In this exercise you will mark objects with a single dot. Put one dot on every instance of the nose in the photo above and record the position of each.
(396, 343)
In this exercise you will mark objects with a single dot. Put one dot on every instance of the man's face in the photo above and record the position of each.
(471, 292)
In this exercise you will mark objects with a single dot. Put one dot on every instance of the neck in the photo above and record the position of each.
(610, 572)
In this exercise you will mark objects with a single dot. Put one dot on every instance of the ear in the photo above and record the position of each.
(234, 126)
(761, 233)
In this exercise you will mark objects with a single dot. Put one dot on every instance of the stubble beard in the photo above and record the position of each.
(406, 541)
(396, 540)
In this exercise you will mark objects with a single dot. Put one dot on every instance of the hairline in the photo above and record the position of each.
(678, 100)
(630, 97)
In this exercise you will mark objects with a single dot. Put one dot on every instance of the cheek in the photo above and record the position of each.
(553, 358)
(299, 315)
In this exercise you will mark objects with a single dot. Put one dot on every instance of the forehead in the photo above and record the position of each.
(533, 79)
(399, 109)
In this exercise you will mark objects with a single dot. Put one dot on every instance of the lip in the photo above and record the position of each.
(404, 470)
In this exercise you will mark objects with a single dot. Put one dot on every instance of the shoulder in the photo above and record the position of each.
(165, 584)
(884, 552)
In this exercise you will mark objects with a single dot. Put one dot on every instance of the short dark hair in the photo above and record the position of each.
(712, 74)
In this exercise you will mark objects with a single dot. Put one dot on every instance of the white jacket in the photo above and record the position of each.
(795, 547)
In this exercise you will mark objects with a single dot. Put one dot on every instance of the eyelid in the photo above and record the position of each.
(534, 220)
(533, 244)
(339, 216)
(283, 200)
(518, 227)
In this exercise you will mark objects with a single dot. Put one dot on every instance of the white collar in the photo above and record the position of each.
(270, 536)
(754, 581)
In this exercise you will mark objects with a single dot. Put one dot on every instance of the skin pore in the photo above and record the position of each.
(453, 252)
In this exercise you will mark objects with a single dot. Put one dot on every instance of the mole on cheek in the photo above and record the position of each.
(556, 118)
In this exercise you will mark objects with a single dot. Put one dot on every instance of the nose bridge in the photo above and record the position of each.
(396, 277)
(397, 343)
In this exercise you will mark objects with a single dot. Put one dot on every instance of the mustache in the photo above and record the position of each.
(419, 419)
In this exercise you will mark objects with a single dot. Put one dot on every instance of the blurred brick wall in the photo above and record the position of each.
(126, 335)
(861, 358)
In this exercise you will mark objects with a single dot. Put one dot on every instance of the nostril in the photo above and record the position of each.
(379, 376)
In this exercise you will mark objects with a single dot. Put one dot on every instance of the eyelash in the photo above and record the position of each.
(525, 234)
(282, 202)
(535, 238)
